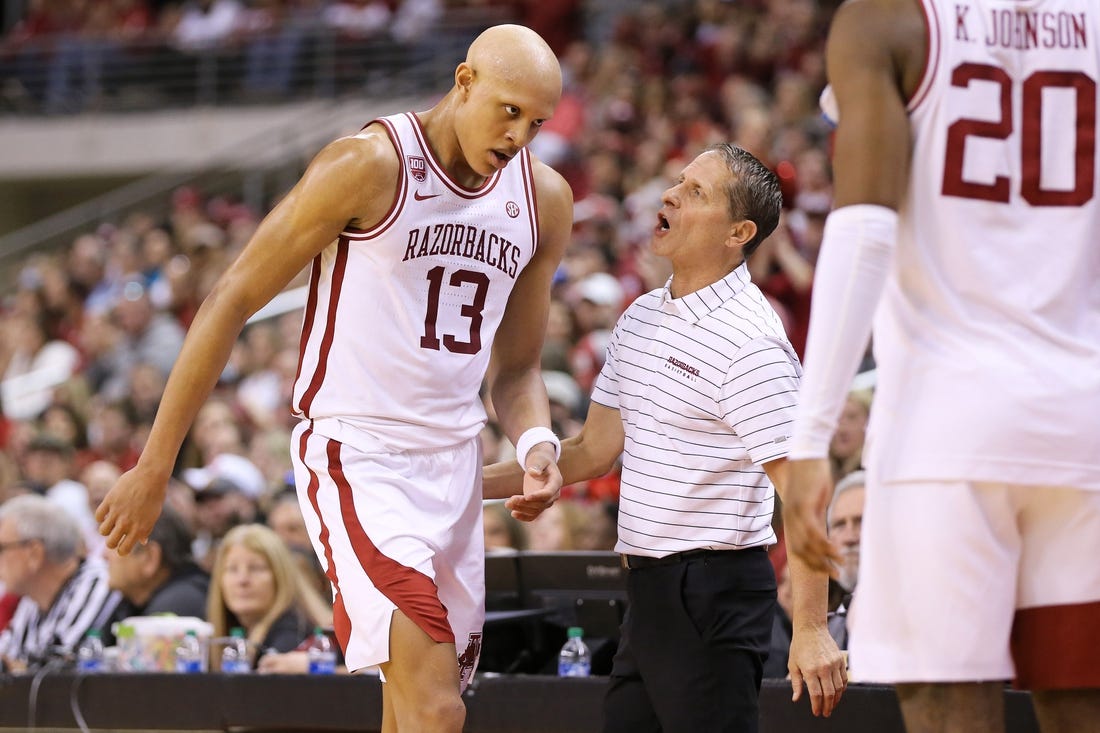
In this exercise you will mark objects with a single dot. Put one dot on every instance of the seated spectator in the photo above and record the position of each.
(257, 585)
(36, 364)
(844, 520)
(160, 576)
(502, 530)
(557, 528)
(48, 468)
(285, 518)
(846, 448)
(63, 594)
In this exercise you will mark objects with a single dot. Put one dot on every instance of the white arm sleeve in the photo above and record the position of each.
(856, 252)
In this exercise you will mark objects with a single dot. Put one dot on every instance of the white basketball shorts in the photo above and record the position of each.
(978, 581)
(396, 530)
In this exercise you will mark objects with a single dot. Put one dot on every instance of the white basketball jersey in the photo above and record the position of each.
(400, 318)
(988, 336)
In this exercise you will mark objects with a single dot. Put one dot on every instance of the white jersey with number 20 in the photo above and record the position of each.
(988, 335)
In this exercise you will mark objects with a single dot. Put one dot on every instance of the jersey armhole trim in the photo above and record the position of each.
(532, 198)
(931, 55)
(398, 203)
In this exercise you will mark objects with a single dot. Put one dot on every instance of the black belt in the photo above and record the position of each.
(635, 562)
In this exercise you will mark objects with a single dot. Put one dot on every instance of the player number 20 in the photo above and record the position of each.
(472, 310)
(1031, 139)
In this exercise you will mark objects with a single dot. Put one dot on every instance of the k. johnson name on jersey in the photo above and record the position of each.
(460, 240)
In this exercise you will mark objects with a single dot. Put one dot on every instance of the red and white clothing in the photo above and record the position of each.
(982, 519)
(400, 319)
(987, 338)
(398, 331)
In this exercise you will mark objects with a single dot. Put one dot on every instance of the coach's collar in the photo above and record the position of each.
(702, 302)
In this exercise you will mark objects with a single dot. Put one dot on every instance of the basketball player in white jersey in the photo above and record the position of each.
(966, 230)
(427, 234)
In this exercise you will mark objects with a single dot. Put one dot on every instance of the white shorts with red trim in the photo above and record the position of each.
(396, 530)
(977, 581)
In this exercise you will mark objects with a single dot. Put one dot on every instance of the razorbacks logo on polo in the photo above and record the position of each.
(682, 368)
(418, 168)
(512, 209)
(467, 661)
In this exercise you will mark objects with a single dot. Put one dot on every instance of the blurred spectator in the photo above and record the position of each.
(285, 519)
(598, 529)
(154, 338)
(846, 448)
(502, 530)
(256, 585)
(49, 470)
(35, 365)
(226, 494)
(160, 576)
(557, 528)
(63, 594)
(845, 520)
(204, 24)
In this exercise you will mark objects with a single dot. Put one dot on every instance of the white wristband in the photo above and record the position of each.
(532, 437)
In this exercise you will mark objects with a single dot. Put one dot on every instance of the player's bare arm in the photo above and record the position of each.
(589, 454)
(352, 180)
(515, 377)
(814, 661)
(873, 66)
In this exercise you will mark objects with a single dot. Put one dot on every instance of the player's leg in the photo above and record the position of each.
(422, 683)
(1056, 633)
(933, 608)
(974, 707)
(1067, 711)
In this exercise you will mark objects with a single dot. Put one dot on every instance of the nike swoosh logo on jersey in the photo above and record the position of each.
(424, 197)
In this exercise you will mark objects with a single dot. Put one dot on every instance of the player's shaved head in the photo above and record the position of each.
(517, 55)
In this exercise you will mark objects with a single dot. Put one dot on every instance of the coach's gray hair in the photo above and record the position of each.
(854, 480)
(753, 192)
(36, 518)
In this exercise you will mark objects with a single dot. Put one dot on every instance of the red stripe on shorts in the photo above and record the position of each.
(414, 593)
(341, 624)
(1054, 647)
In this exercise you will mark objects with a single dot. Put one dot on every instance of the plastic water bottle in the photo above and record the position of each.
(574, 660)
(321, 655)
(189, 656)
(235, 654)
(89, 655)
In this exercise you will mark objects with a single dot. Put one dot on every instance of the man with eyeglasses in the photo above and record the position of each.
(63, 594)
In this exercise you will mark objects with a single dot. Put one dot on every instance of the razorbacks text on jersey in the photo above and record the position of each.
(400, 318)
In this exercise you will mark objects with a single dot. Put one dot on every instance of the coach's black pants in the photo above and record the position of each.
(693, 645)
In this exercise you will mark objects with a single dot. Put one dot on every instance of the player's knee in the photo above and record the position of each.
(442, 713)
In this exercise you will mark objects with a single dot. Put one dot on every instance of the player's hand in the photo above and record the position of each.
(128, 512)
(809, 488)
(817, 664)
(541, 484)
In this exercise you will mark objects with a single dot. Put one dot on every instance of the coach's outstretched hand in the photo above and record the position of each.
(128, 512)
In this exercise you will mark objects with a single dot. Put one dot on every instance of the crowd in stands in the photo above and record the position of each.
(66, 56)
(89, 334)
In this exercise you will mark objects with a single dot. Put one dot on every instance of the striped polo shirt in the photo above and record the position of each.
(84, 602)
(706, 385)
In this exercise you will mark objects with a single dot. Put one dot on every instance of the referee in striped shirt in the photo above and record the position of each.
(697, 395)
(63, 594)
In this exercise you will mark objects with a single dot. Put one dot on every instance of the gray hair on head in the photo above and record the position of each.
(36, 518)
(754, 192)
(854, 480)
